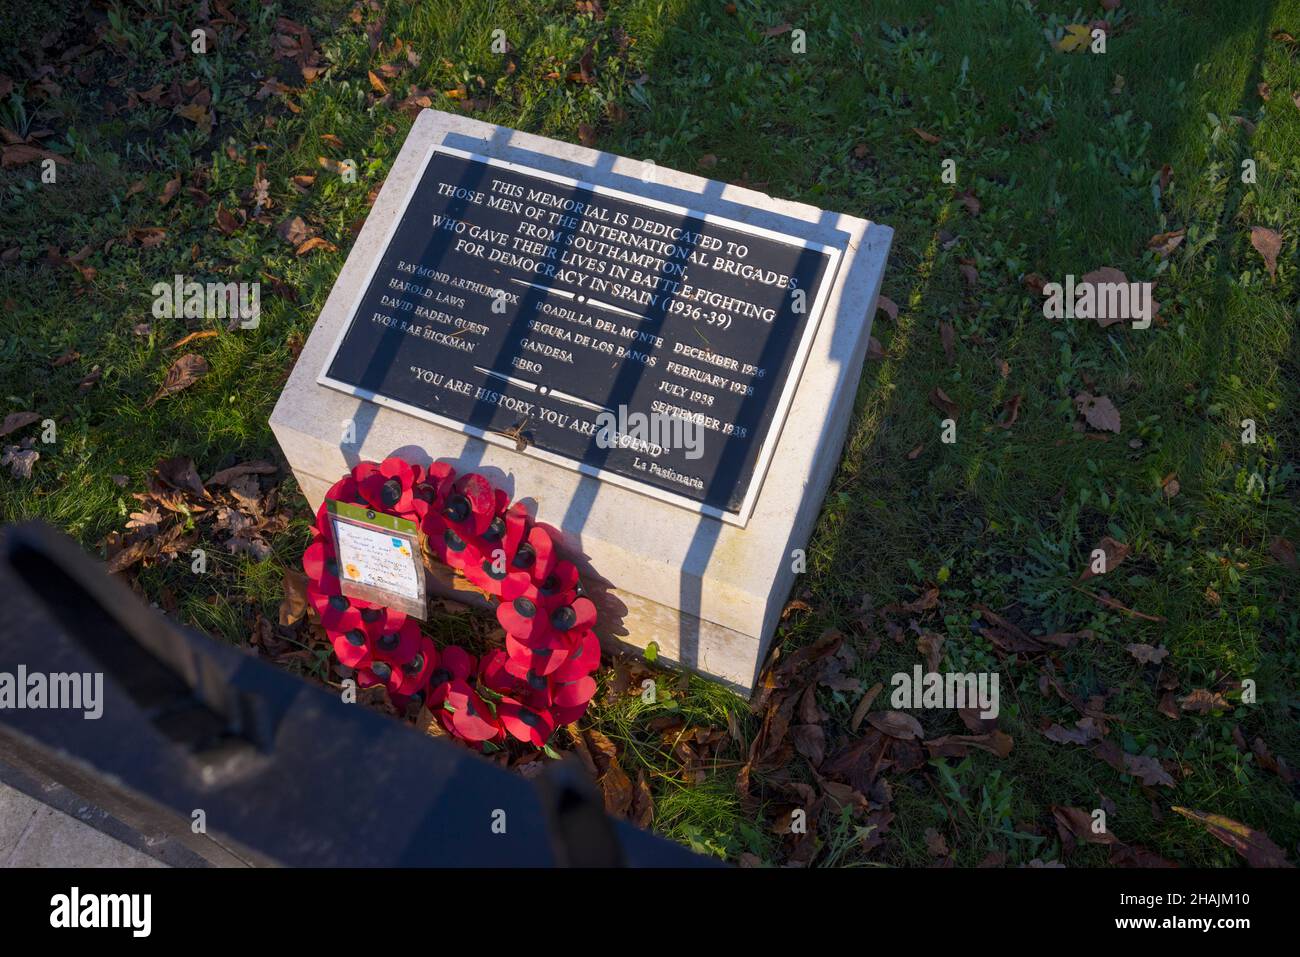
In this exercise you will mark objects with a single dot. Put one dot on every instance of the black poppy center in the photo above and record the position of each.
(339, 603)
(390, 493)
(454, 541)
(495, 530)
(525, 557)
(490, 569)
(356, 637)
(550, 586)
(529, 718)
(458, 508)
(413, 666)
(382, 670)
(525, 607)
(389, 641)
(371, 614)
(332, 566)
(439, 677)
(424, 492)
(564, 618)
(535, 681)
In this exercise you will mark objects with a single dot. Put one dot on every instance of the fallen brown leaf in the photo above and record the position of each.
(1268, 243)
(18, 420)
(1255, 846)
(940, 400)
(1098, 411)
(184, 372)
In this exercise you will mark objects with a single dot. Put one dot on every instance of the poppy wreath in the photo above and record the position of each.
(542, 676)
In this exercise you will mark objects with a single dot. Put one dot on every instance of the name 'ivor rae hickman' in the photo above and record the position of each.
(1115, 301)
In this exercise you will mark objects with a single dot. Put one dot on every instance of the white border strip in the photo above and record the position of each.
(797, 363)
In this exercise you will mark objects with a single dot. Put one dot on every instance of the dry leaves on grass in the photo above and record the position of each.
(18, 420)
(600, 756)
(1010, 411)
(1203, 701)
(941, 401)
(184, 372)
(295, 231)
(1145, 768)
(1078, 824)
(1147, 654)
(1009, 638)
(1084, 732)
(242, 517)
(1112, 555)
(1163, 244)
(1098, 411)
(1283, 552)
(1268, 243)
(1106, 275)
(896, 724)
(948, 338)
(1255, 846)
(20, 459)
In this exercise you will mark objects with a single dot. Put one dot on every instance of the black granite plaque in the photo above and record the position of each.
(578, 321)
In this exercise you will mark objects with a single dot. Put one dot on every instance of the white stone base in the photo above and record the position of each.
(709, 594)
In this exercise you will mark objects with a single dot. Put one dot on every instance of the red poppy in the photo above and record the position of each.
(352, 648)
(542, 675)
(431, 488)
(581, 657)
(450, 546)
(574, 694)
(337, 611)
(492, 673)
(541, 654)
(525, 723)
(536, 553)
(471, 505)
(471, 718)
(390, 487)
(454, 664)
(399, 645)
(498, 546)
(318, 561)
(413, 674)
(344, 490)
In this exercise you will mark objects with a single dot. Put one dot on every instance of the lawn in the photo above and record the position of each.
(967, 552)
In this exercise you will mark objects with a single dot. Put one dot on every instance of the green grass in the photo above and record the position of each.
(1062, 158)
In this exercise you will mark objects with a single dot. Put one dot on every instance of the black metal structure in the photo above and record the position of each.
(285, 774)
